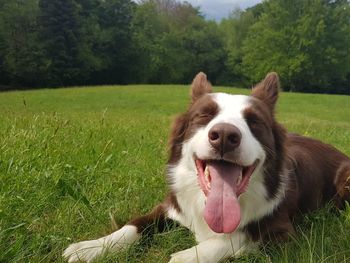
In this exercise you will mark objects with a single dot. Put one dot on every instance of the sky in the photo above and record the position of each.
(217, 9)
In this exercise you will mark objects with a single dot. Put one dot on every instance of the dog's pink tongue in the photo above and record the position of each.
(222, 212)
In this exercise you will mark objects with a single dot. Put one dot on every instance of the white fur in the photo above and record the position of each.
(254, 203)
(214, 249)
(89, 250)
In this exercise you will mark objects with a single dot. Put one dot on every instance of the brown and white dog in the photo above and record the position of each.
(237, 178)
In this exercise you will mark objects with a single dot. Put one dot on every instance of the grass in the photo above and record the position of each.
(70, 159)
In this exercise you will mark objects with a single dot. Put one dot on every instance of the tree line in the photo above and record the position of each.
(45, 43)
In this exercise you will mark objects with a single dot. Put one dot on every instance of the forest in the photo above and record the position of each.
(45, 43)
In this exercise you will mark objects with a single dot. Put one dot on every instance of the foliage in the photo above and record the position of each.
(60, 34)
(176, 42)
(22, 57)
(235, 29)
(82, 42)
(114, 44)
(307, 42)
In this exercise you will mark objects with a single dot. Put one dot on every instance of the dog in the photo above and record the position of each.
(237, 178)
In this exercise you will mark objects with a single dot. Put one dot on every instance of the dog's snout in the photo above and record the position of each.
(224, 137)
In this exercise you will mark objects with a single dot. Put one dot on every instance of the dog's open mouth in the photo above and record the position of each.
(222, 182)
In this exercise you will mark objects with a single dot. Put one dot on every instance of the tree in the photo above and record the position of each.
(22, 60)
(234, 30)
(84, 42)
(203, 46)
(158, 27)
(60, 34)
(114, 45)
(306, 41)
(176, 42)
(89, 39)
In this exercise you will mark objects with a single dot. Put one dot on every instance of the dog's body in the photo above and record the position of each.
(237, 178)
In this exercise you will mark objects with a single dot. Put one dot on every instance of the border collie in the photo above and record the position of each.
(236, 177)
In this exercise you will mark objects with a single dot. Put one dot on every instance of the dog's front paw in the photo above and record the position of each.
(85, 251)
(185, 256)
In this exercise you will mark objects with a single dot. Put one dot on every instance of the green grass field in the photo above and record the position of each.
(70, 159)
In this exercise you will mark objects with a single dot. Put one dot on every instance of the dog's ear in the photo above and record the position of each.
(268, 89)
(200, 86)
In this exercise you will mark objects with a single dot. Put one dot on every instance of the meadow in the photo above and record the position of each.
(77, 163)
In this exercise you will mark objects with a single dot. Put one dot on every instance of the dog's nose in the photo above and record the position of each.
(224, 137)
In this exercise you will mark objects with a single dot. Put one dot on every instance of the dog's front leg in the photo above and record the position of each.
(87, 251)
(215, 249)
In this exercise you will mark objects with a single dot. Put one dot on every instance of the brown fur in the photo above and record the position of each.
(267, 90)
(156, 219)
(272, 137)
(202, 110)
(318, 173)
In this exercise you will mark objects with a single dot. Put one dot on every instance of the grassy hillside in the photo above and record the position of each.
(70, 159)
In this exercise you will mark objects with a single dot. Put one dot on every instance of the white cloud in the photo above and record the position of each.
(217, 9)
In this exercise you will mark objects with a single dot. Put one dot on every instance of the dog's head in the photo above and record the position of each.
(225, 141)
